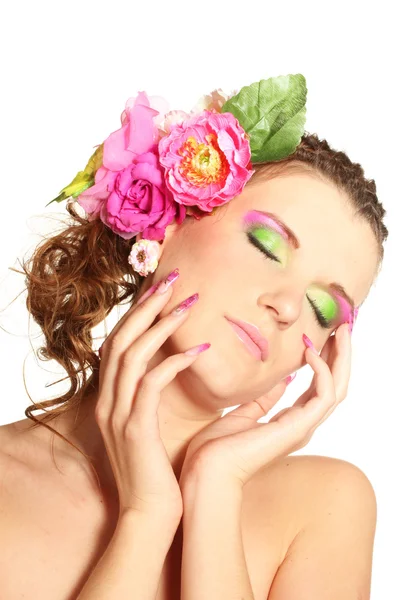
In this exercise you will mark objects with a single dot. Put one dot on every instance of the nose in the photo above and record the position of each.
(284, 307)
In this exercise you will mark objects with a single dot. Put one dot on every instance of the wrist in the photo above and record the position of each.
(209, 484)
(161, 520)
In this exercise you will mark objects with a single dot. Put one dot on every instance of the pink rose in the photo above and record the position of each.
(137, 135)
(129, 193)
(206, 160)
(140, 202)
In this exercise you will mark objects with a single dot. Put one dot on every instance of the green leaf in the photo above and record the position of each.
(83, 179)
(273, 112)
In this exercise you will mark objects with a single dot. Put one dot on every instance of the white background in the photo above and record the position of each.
(67, 70)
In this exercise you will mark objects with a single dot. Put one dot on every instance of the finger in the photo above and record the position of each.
(137, 321)
(325, 354)
(160, 287)
(135, 309)
(327, 349)
(258, 408)
(134, 361)
(288, 429)
(341, 368)
(145, 407)
(315, 407)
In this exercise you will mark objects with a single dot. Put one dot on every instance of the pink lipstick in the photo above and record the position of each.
(251, 337)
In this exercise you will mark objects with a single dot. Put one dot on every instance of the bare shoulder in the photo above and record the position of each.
(16, 452)
(308, 486)
(331, 505)
(24, 460)
(300, 471)
(17, 440)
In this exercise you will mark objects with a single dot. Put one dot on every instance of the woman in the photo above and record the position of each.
(155, 495)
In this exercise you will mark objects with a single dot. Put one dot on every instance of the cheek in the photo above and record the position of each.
(214, 251)
(206, 262)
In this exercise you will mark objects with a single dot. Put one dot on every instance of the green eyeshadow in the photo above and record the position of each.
(325, 303)
(271, 239)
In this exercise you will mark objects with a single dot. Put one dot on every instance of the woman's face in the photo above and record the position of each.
(221, 257)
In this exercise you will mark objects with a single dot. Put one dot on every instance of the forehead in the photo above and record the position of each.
(334, 244)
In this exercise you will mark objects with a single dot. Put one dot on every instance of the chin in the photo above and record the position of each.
(221, 379)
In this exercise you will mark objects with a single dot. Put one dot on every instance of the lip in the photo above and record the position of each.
(254, 334)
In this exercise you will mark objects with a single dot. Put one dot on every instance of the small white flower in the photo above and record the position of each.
(144, 256)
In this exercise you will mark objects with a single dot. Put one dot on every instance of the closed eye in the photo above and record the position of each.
(253, 240)
(321, 320)
(319, 316)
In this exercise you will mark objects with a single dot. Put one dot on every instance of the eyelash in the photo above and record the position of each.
(317, 314)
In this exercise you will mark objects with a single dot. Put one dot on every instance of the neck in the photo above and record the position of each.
(179, 421)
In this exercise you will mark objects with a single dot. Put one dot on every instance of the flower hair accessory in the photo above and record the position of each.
(162, 165)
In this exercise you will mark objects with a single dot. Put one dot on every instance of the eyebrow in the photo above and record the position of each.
(294, 242)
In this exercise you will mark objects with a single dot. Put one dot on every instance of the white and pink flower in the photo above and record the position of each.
(144, 256)
(212, 102)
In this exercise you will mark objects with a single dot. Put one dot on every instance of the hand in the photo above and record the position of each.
(127, 407)
(235, 446)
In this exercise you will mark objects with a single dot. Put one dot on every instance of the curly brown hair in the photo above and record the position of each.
(78, 275)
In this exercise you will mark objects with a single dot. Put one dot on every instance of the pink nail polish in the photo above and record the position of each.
(186, 304)
(309, 343)
(352, 319)
(197, 349)
(164, 285)
(160, 286)
(290, 378)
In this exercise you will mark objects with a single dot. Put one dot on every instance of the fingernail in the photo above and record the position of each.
(160, 286)
(164, 285)
(197, 349)
(352, 319)
(290, 378)
(309, 343)
(186, 304)
(350, 323)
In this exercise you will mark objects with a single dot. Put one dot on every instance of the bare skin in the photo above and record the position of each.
(59, 525)
(232, 277)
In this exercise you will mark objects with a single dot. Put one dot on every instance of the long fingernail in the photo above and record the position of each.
(290, 378)
(352, 319)
(186, 304)
(161, 287)
(309, 343)
(164, 285)
(197, 349)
